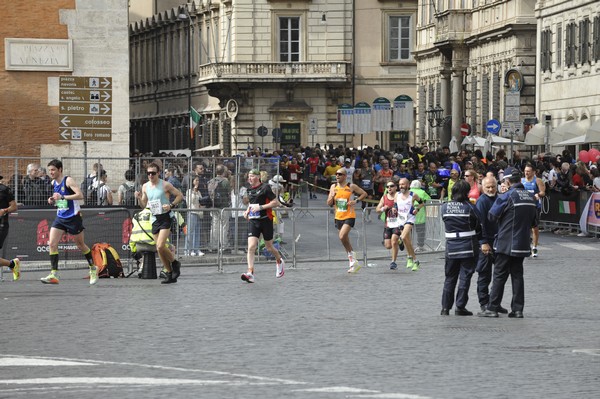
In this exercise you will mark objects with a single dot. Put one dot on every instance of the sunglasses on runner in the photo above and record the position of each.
(340, 174)
(391, 186)
(152, 173)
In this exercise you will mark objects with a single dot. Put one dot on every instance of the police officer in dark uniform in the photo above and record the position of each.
(516, 214)
(489, 230)
(463, 231)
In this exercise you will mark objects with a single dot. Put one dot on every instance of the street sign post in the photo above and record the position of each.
(262, 132)
(493, 126)
(85, 108)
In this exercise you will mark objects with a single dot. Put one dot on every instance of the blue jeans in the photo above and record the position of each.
(193, 236)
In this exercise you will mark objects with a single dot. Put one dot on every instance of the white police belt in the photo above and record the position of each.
(461, 234)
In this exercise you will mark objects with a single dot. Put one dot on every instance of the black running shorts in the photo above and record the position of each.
(73, 225)
(258, 226)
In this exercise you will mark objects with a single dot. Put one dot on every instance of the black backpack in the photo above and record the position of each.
(128, 195)
(86, 186)
(219, 192)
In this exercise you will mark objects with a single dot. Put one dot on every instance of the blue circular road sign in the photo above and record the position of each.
(493, 126)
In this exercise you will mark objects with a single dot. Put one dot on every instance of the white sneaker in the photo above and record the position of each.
(248, 277)
(192, 253)
(280, 269)
(199, 253)
(93, 275)
(354, 267)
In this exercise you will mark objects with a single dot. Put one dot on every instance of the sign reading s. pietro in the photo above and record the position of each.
(38, 54)
(85, 108)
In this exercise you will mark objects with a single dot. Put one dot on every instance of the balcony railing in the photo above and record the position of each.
(274, 72)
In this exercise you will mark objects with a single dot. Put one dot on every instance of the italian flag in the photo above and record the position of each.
(194, 120)
(567, 207)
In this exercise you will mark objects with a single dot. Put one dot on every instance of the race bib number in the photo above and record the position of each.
(293, 176)
(366, 184)
(253, 214)
(62, 204)
(341, 204)
(393, 222)
(155, 207)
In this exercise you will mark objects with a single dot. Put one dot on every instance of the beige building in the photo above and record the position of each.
(568, 67)
(268, 64)
(254, 64)
(470, 56)
(384, 42)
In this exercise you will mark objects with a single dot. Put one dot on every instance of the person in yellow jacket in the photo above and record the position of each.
(341, 195)
(141, 238)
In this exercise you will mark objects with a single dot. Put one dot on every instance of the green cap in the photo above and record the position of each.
(254, 172)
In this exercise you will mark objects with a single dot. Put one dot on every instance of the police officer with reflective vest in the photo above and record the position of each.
(516, 214)
(463, 231)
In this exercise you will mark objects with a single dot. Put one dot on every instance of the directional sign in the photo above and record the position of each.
(85, 108)
(85, 135)
(493, 126)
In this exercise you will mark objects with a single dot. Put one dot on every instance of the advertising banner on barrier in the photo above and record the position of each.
(591, 213)
(30, 229)
(558, 207)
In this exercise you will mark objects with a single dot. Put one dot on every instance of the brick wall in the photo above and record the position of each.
(26, 120)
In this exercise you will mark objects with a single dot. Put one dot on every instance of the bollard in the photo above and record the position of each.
(149, 268)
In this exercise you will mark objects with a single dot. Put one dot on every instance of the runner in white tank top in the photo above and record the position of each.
(406, 216)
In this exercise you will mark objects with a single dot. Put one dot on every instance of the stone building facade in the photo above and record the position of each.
(569, 70)
(466, 51)
(283, 65)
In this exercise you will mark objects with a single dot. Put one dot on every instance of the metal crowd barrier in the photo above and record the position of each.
(221, 234)
(295, 232)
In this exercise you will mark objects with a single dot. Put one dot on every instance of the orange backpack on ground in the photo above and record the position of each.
(107, 261)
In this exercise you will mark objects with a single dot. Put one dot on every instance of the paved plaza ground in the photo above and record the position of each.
(316, 333)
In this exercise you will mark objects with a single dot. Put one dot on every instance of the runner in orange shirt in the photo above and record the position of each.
(341, 195)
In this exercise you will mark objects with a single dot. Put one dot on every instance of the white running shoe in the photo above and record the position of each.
(354, 267)
(280, 269)
(248, 277)
(534, 252)
(93, 275)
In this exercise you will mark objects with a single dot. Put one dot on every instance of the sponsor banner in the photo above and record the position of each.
(591, 213)
(30, 230)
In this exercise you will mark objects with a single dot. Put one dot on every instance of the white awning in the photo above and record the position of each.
(595, 128)
(535, 135)
(574, 141)
(565, 131)
(215, 147)
(571, 129)
(504, 140)
(591, 136)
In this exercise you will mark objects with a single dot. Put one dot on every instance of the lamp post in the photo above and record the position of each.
(185, 16)
(435, 116)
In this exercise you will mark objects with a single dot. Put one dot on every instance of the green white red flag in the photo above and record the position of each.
(194, 120)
